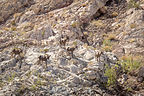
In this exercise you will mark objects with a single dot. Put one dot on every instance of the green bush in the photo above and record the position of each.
(11, 77)
(111, 74)
(133, 4)
(130, 63)
(107, 42)
(107, 45)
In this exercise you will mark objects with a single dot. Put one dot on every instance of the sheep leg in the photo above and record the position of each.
(46, 63)
(20, 64)
(97, 59)
(72, 54)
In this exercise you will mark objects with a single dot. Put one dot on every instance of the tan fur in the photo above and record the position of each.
(43, 58)
(71, 50)
(16, 51)
(99, 53)
(63, 40)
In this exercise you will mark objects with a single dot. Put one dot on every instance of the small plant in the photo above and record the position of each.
(130, 63)
(107, 42)
(75, 43)
(1, 32)
(105, 35)
(98, 23)
(44, 50)
(13, 23)
(39, 83)
(75, 24)
(91, 34)
(11, 78)
(6, 28)
(84, 4)
(54, 25)
(133, 4)
(110, 73)
(132, 40)
(1, 19)
(111, 37)
(28, 74)
(22, 33)
(133, 25)
(33, 87)
(43, 33)
(91, 47)
(129, 89)
(124, 33)
(85, 45)
(21, 90)
(107, 45)
(107, 48)
(13, 28)
(114, 14)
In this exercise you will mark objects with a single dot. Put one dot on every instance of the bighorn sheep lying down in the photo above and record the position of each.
(43, 58)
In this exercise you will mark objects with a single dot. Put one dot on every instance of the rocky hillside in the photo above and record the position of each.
(71, 48)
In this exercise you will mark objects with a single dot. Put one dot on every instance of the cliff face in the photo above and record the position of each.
(73, 33)
(8, 8)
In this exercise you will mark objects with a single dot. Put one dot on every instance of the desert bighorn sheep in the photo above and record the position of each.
(42, 58)
(98, 54)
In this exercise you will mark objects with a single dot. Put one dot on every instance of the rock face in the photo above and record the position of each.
(141, 75)
(10, 7)
(41, 24)
(38, 27)
(133, 40)
(68, 20)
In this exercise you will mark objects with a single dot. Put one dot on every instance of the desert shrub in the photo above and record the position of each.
(111, 74)
(133, 25)
(75, 24)
(111, 37)
(107, 48)
(130, 63)
(13, 28)
(133, 4)
(98, 23)
(107, 42)
(107, 45)
(11, 77)
(33, 87)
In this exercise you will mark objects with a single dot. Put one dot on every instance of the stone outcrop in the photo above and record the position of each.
(8, 8)
(37, 26)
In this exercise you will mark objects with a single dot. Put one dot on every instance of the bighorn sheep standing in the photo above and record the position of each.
(63, 40)
(71, 49)
(43, 58)
(18, 52)
(98, 54)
